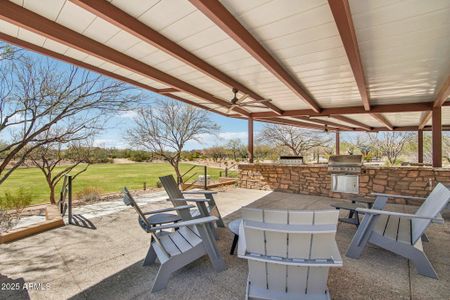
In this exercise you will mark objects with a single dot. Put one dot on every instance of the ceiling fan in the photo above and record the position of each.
(243, 102)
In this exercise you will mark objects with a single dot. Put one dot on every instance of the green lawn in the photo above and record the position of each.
(107, 177)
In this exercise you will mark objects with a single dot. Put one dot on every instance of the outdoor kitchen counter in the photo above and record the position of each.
(314, 179)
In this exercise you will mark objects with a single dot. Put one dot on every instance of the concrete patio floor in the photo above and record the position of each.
(106, 262)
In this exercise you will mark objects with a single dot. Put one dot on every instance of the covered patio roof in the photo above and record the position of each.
(333, 65)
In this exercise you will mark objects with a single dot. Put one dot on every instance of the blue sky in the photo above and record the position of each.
(230, 128)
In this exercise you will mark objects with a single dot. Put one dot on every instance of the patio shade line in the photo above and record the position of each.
(441, 97)
(328, 123)
(344, 22)
(29, 20)
(380, 118)
(37, 49)
(220, 16)
(121, 19)
(351, 121)
(384, 108)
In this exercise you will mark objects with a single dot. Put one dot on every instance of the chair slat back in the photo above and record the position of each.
(129, 201)
(283, 278)
(172, 190)
(321, 248)
(433, 205)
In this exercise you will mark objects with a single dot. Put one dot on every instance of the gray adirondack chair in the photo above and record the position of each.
(289, 252)
(174, 250)
(177, 198)
(401, 233)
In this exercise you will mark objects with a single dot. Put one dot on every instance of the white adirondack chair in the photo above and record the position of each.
(205, 206)
(289, 252)
(401, 233)
(174, 250)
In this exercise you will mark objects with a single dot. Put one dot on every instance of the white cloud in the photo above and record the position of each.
(208, 140)
(128, 114)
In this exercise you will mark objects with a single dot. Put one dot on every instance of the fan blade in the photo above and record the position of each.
(254, 101)
(252, 105)
(230, 109)
(242, 99)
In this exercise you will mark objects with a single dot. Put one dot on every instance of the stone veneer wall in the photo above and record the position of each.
(315, 180)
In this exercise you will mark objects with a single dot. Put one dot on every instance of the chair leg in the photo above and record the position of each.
(212, 206)
(361, 237)
(211, 247)
(150, 257)
(233, 246)
(423, 265)
(162, 278)
(425, 237)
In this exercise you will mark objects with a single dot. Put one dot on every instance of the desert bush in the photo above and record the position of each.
(90, 193)
(11, 207)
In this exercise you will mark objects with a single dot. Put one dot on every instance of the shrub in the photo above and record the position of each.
(11, 207)
(158, 184)
(90, 193)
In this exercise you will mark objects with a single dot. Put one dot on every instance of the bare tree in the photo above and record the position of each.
(57, 160)
(236, 148)
(297, 140)
(37, 97)
(166, 126)
(391, 143)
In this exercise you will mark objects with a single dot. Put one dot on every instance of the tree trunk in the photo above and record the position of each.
(177, 172)
(52, 194)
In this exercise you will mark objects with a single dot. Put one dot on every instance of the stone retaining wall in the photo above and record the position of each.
(315, 180)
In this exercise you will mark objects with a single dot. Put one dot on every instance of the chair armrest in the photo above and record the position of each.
(189, 200)
(168, 209)
(199, 193)
(397, 214)
(192, 222)
(398, 196)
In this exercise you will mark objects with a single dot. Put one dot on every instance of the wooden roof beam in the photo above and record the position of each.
(168, 90)
(380, 118)
(217, 13)
(29, 20)
(384, 108)
(119, 18)
(343, 18)
(328, 123)
(441, 97)
(300, 124)
(351, 121)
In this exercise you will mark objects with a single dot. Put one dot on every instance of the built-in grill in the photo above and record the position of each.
(345, 171)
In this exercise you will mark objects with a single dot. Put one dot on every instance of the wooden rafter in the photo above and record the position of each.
(351, 121)
(328, 123)
(119, 18)
(29, 20)
(343, 18)
(168, 90)
(385, 108)
(380, 118)
(217, 13)
(282, 121)
(441, 97)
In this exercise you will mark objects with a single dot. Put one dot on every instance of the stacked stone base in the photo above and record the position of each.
(315, 180)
